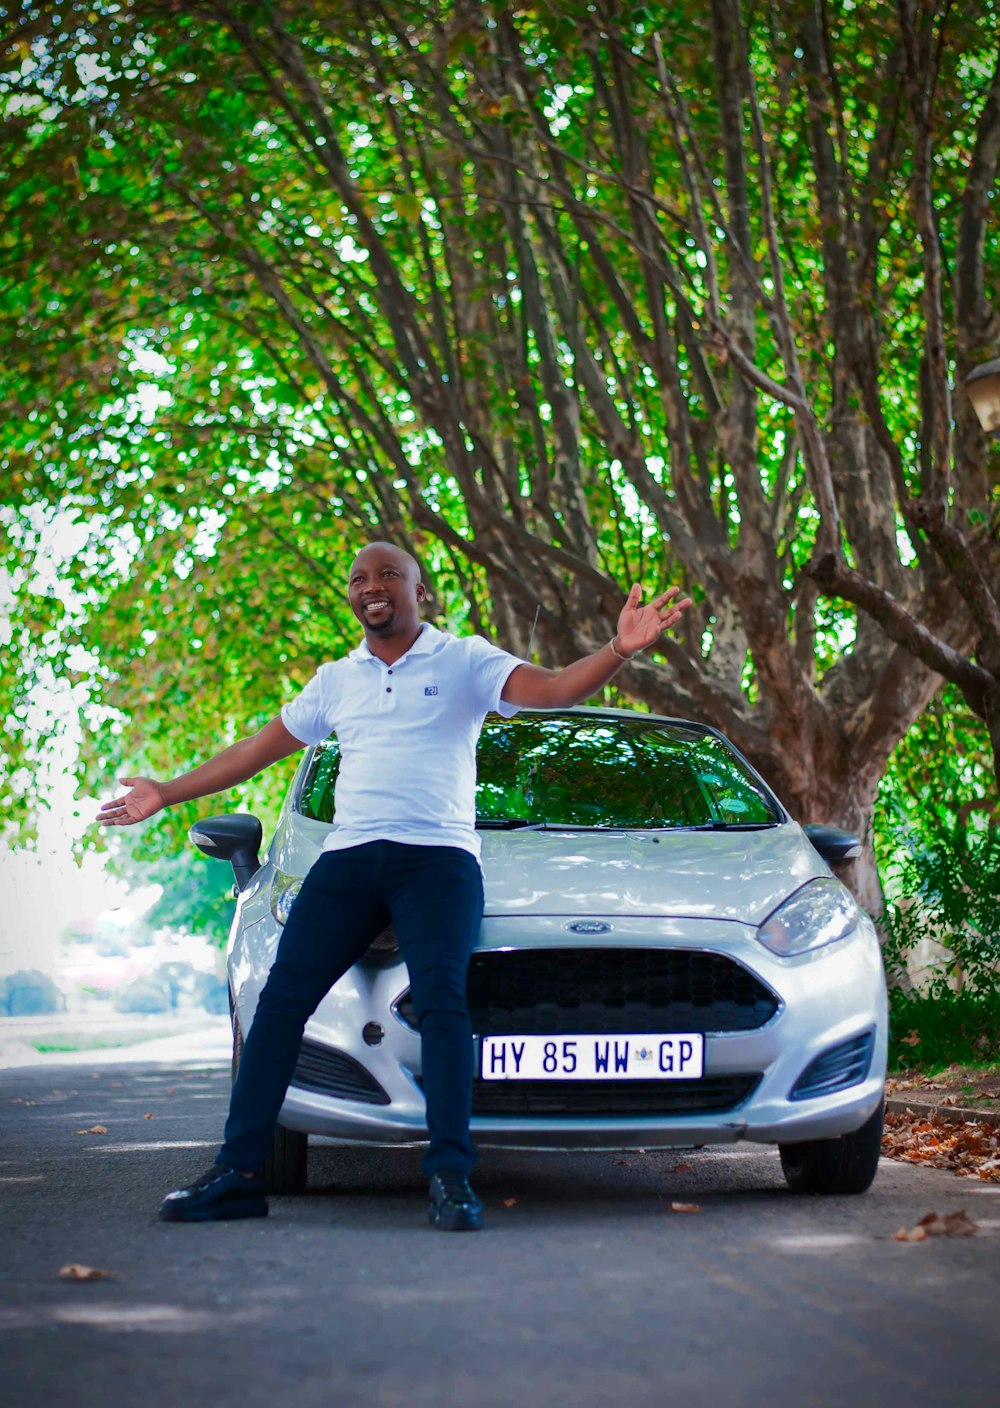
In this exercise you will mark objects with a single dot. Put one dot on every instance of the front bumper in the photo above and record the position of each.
(826, 998)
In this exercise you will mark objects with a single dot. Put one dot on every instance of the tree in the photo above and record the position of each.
(557, 295)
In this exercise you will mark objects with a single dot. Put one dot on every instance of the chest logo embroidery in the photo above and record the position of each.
(430, 689)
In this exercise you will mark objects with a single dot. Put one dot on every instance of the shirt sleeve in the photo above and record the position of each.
(310, 716)
(491, 668)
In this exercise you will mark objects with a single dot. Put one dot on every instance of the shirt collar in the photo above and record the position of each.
(429, 640)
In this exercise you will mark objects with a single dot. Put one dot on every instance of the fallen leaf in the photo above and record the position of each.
(683, 1168)
(171, 1092)
(911, 1039)
(959, 1224)
(510, 1202)
(75, 1271)
(94, 1129)
(685, 1207)
(970, 1148)
(147, 1117)
(621, 1163)
(932, 1224)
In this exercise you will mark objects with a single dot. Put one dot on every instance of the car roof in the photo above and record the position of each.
(602, 711)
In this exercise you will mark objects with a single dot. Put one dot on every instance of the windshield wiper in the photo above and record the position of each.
(514, 823)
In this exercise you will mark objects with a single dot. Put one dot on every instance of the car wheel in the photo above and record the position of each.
(285, 1170)
(844, 1165)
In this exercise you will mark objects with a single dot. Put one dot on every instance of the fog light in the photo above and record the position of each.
(836, 1069)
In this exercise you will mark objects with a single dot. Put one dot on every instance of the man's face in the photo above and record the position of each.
(385, 590)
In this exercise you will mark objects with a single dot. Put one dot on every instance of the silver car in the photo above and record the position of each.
(666, 960)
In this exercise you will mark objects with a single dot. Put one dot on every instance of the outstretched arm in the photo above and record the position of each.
(233, 765)
(638, 627)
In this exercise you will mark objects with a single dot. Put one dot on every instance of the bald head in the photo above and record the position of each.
(385, 592)
(390, 552)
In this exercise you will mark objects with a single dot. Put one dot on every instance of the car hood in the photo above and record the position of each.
(737, 875)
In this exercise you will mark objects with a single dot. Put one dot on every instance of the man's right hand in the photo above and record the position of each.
(144, 801)
(235, 764)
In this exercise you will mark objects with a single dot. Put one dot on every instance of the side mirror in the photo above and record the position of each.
(833, 844)
(234, 838)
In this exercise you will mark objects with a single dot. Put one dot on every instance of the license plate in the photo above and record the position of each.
(622, 1056)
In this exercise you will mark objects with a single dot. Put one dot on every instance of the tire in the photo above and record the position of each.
(844, 1165)
(285, 1170)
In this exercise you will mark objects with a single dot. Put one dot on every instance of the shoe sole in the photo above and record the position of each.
(455, 1221)
(225, 1211)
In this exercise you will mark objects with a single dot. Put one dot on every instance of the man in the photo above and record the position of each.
(407, 706)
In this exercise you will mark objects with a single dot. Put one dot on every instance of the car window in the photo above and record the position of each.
(586, 770)
(316, 797)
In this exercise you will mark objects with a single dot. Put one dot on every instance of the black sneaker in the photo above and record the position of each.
(454, 1207)
(219, 1194)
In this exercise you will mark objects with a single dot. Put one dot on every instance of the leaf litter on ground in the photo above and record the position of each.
(966, 1084)
(932, 1224)
(94, 1129)
(970, 1149)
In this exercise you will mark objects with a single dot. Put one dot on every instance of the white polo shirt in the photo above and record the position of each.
(407, 734)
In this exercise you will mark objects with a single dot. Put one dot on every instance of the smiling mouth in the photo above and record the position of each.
(371, 608)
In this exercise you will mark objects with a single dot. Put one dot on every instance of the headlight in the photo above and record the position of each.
(284, 888)
(820, 913)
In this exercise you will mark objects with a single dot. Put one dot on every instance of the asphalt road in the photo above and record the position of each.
(586, 1289)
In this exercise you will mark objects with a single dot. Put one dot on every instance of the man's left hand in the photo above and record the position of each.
(639, 626)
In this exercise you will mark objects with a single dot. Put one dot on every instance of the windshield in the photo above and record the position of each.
(592, 771)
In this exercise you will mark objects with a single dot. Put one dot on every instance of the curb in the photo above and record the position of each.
(953, 1114)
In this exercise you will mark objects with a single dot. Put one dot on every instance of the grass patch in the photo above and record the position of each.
(46, 1046)
(929, 1033)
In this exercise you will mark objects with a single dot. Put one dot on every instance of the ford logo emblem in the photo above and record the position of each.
(589, 926)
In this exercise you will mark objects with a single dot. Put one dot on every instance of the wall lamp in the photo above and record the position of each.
(983, 386)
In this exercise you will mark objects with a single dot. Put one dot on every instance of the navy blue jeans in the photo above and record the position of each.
(434, 897)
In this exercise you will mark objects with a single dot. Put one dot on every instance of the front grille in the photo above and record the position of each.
(837, 1069)
(332, 1073)
(549, 991)
(567, 1099)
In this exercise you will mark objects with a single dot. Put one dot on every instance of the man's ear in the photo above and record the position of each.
(421, 591)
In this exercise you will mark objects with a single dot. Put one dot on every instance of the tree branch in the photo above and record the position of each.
(901, 626)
